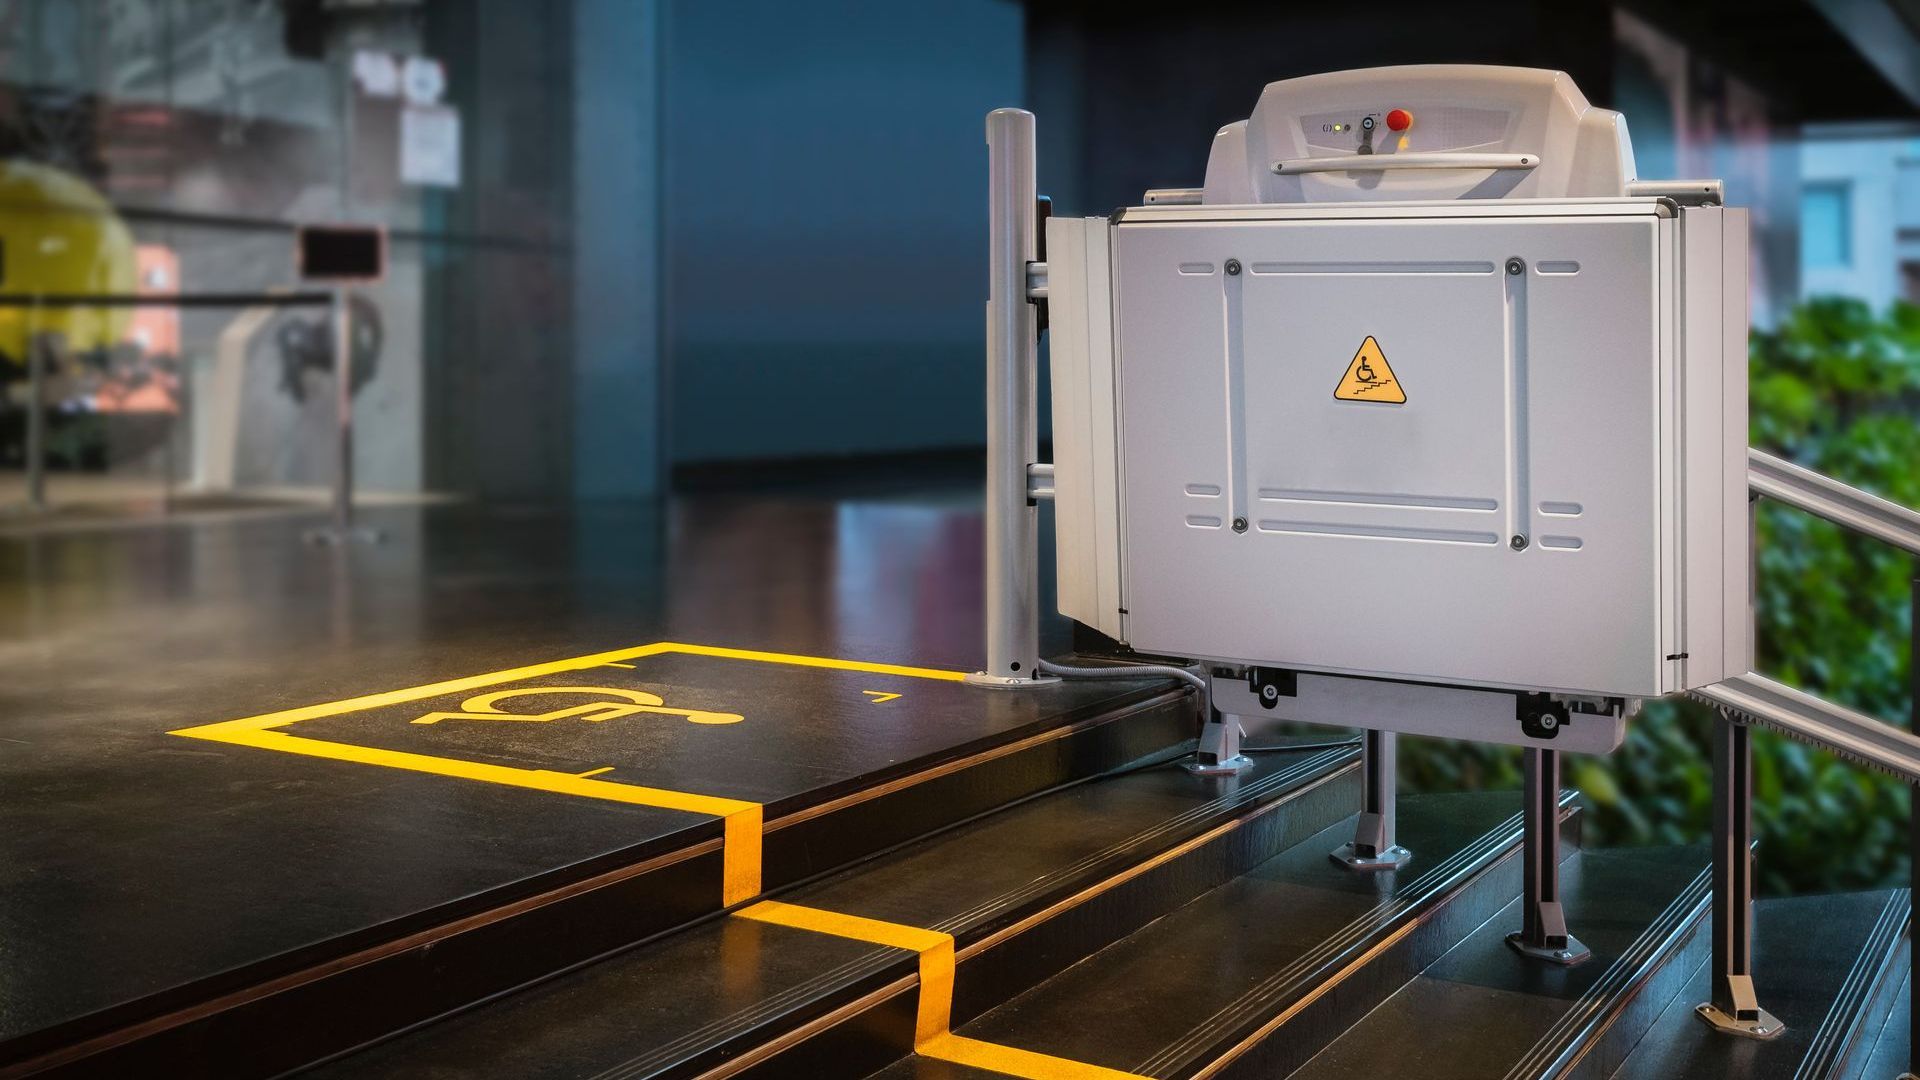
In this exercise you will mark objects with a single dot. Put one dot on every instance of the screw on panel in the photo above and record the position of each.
(1239, 524)
(1233, 267)
(1516, 266)
(1519, 543)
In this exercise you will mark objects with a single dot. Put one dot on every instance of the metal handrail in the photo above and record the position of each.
(1815, 720)
(1752, 698)
(1825, 497)
(1807, 717)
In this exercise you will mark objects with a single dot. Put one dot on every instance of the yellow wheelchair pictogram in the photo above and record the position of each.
(1370, 378)
(626, 703)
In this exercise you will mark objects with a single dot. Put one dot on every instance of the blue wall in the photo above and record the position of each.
(617, 444)
(825, 216)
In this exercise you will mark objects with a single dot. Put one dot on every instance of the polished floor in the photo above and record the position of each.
(137, 863)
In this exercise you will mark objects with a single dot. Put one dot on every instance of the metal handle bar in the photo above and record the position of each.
(1383, 162)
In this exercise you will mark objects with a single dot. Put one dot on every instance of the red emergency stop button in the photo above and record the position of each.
(1399, 120)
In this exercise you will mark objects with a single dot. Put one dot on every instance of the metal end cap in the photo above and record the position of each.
(1764, 1026)
(1565, 955)
(1393, 858)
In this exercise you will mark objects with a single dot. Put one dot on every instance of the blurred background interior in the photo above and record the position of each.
(645, 248)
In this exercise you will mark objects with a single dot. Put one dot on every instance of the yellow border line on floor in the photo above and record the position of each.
(472, 682)
(932, 1036)
(742, 822)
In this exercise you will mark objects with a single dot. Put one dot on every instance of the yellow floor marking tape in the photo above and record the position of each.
(742, 822)
(1014, 1061)
(815, 661)
(931, 1036)
(474, 682)
(935, 949)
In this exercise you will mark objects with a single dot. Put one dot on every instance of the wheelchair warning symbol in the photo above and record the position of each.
(1369, 378)
(624, 703)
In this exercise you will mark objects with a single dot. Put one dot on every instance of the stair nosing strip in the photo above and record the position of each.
(1460, 867)
(1244, 797)
(1341, 941)
(1253, 802)
(788, 1039)
(1121, 711)
(1595, 1011)
(1012, 930)
(882, 958)
(1839, 1027)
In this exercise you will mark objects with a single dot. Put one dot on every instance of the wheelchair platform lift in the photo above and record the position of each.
(1423, 415)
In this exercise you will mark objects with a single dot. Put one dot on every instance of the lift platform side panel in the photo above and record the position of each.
(1736, 523)
(1702, 237)
(1086, 520)
(1410, 448)
(1670, 475)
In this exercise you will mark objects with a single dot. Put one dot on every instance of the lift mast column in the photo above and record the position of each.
(1012, 522)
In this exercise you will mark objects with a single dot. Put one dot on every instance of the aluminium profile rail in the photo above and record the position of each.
(1811, 719)
(1825, 497)
(1796, 713)
(1749, 699)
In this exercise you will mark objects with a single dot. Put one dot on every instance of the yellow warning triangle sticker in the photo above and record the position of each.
(1369, 378)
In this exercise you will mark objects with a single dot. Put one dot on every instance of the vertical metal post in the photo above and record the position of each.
(1219, 751)
(1543, 933)
(1373, 846)
(36, 411)
(169, 466)
(1734, 1008)
(340, 319)
(1012, 529)
(340, 529)
(1913, 828)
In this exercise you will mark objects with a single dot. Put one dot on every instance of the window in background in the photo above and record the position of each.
(1826, 226)
(1910, 282)
(1906, 192)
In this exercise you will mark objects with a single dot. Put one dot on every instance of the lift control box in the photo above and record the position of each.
(1423, 385)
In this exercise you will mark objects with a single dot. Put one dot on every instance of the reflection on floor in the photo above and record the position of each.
(86, 501)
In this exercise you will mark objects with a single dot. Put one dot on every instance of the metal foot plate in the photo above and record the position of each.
(1008, 682)
(1393, 858)
(1228, 767)
(1565, 955)
(1765, 1026)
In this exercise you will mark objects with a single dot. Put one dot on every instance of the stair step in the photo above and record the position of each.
(1829, 967)
(1297, 943)
(829, 784)
(1484, 1011)
(1023, 893)
(1892, 1052)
